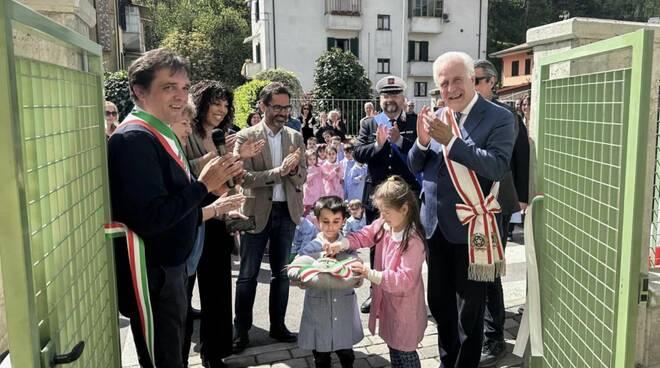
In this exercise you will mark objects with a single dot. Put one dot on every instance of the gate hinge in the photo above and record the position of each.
(643, 288)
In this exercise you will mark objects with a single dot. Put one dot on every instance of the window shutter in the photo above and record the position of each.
(411, 50)
(424, 51)
(355, 47)
(331, 43)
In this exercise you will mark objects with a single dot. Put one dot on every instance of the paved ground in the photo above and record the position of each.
(370, 352)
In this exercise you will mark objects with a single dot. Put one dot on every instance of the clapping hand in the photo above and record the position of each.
(290, 162)
(230, 141)
(219, 170)
(251, 148)
(422, 129)
(382, 134)
(226, 204)
(439, 129)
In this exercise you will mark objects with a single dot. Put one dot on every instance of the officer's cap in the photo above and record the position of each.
(390, 85)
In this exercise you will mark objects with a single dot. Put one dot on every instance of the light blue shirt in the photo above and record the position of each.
(305, 233)
(354, 182)
(352, 224)
(275, 144)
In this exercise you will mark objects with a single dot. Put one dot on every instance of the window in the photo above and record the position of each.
(420, 89)
(257, 54)
(418, 51)
(515, 68)
(383, 22)
(256, 10)
(383, 66)
(528, 66)
(346, 44)
(132, 19)
(426, 8)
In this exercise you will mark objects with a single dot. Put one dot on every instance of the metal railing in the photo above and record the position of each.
(351, 110)
(343, 7)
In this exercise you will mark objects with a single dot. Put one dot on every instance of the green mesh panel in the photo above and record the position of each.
(582, 136)
(65, 193)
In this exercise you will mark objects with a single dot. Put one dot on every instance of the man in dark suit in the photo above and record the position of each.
(512, 198)
(153, 194)
(383, 144)
(456, 281)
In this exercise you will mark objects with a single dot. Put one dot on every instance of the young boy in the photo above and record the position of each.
(347, 164)
(335, 141)
(357, 220)
(330, 321)
(311, 143)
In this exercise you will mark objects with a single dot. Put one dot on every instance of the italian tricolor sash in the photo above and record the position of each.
(136, 253)
(138, 266)
(163, 133)
(486, 255)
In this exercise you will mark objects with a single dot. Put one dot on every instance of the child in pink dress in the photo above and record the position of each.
(313, 188)
(333, 174)
(321, 153)
(397, 302)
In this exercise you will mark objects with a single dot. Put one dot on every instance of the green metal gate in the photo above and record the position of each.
(592, 160)
(56, 264)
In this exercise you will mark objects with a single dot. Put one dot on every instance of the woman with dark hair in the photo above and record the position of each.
(253, 119)
(214, 110)
(307, 120)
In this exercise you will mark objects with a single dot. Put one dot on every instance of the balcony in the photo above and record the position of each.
(420, 69)
(426, 25)
(250, 69)
(343, 15)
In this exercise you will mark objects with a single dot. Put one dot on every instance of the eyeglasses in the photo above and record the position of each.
(111, 113)
(280, 108)
(478, 80)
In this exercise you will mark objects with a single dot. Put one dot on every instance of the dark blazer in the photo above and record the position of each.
(386, 162)
(485, 148)
(508, 196)
(520, 163)
(152, 195)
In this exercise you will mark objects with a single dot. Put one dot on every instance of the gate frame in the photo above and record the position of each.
(24, 340)
(634, 181)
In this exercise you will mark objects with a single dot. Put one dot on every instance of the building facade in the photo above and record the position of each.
(400, 37)
(516, 74)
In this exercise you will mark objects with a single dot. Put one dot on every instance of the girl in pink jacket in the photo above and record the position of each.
(333, 174)
(397, 302)
(313, 188)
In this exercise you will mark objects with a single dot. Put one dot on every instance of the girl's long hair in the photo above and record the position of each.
(394, 193)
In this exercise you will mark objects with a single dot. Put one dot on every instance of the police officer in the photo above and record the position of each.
(383, 144)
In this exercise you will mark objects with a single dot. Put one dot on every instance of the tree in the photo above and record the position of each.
(283, 76)
(246, 98)
(197, 49)
(222, 24)
(116, 90)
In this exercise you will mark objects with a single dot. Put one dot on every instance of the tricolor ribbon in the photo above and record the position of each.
(138, 267)
(486, 255)
(340, 270)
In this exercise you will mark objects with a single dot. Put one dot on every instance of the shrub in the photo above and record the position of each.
(245, 99)
(283, 76)
(115, 87)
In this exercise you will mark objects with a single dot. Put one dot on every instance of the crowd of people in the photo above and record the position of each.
(439, 186)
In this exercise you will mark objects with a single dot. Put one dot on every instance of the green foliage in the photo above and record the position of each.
(222, 24)
(509, 20)
(197, 48)
(338, 75)
(245, 99)
(116, 90)
(283, 76)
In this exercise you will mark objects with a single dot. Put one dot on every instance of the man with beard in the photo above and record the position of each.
(272, 185)
(383, 144)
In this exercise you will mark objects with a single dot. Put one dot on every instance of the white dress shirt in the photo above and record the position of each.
(464, 115)
(275, 144)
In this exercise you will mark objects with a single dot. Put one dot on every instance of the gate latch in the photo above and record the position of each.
(643, 288)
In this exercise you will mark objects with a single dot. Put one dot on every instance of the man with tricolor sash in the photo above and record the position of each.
(462, 150)
(156, 205)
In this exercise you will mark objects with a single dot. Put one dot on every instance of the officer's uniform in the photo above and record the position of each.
(383, 162)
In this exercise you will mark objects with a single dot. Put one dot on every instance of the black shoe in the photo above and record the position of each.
(195, 313)
(216, 363)
(283, 335)
(366, 306)
(241, 342)
(492, 352)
